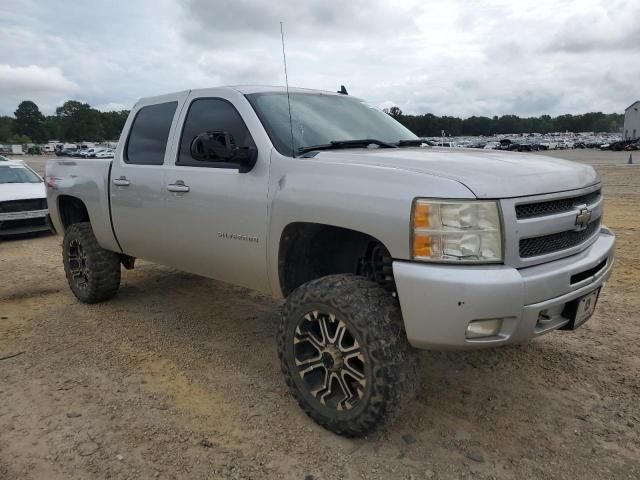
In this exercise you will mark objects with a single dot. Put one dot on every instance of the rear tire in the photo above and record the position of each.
(345, 355)
(93, 273)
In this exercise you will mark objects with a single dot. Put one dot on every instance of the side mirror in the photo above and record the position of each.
(217, 146)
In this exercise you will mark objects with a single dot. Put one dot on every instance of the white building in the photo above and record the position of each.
(631, 128)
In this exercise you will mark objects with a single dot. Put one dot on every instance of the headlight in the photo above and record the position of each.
(456, 231)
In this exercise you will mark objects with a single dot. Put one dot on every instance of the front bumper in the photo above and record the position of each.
(16, 223)
(439, 301)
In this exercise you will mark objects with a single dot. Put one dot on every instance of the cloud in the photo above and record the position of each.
(489, 57)
(45, 85)
(604, 28)
(33, 79)
(112, 107)
(309, 20)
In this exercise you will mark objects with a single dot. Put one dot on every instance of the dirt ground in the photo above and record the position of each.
(177, 377)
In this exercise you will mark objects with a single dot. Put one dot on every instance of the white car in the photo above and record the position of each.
(23, 200)
(89, 152)
(108, 153)
(5, 159)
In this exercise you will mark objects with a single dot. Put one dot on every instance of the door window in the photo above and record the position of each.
(149, 134)
(207, 115)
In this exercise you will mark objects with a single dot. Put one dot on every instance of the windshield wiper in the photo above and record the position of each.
(410, 143)
(337, 144)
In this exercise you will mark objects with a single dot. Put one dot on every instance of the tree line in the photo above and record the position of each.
(76, 121)
(429, 125)
(73, 122)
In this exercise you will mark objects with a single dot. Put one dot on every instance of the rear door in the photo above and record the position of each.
(218, 215)
(137, 178)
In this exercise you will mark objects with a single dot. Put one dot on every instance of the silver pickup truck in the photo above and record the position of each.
(379, 244)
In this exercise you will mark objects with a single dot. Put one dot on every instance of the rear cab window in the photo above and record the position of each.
(149, 134)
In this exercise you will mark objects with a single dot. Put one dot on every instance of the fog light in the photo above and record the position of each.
(484, 328)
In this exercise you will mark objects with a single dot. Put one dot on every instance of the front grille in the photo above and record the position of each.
(23, 205)
(23, 223)
(532, 247)
(551, 207)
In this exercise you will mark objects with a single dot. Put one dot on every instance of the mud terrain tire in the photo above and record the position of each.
(93, 273)
(371, 318)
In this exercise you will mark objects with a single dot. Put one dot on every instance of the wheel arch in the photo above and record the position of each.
(72, 210)
(308, 250)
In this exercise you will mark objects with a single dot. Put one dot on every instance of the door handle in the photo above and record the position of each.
(121, 182)
(178, 187)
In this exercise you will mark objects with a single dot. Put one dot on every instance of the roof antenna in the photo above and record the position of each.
(286, 79)
(343, 91)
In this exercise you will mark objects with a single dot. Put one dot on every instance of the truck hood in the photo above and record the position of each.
(487, 173)
(21, 191)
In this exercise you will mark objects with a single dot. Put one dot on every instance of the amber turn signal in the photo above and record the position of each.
(421, 246)
(422, 215)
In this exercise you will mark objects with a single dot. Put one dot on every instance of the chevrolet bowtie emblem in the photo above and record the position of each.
(582, 219)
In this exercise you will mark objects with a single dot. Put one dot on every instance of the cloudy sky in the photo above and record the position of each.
(459, 57)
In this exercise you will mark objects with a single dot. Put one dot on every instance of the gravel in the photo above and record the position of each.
(175, 360)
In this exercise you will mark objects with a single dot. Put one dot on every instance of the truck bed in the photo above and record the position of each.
(86, 179)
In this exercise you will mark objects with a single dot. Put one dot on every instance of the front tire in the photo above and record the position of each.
(93, 273)
(344, 353)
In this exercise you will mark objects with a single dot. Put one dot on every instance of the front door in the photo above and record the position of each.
(218, 215)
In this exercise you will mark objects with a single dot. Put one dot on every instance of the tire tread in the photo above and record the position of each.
(104, 265)
(376, 316)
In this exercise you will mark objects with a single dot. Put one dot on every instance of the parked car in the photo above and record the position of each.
(66, 152)
(617, 146)
(23, 202)
(96, 151)
(108, 153)
(377, 245)
(13, 160)
(80, 151)
(90, 152)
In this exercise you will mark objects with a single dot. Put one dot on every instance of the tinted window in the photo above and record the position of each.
(212, 114)
(149, 134)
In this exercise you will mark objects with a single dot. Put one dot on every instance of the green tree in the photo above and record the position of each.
(113, 122)
(6, 128)
(53, 128)
(78, 122)
(429, 125)
(477, 125)
(394, 112)
(19, 139)
(30, 122)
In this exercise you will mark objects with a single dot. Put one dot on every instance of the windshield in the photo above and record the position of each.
(321, 119)
(13, 174)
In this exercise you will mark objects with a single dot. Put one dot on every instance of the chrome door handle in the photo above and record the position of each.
(121, 182)
(178, 187)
